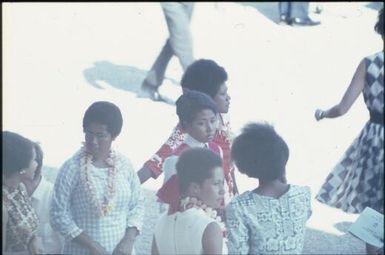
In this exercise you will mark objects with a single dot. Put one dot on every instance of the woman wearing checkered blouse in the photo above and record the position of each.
(97, 201)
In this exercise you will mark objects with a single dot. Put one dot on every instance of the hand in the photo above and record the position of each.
(124, 247)
(35, 246)
(97, 249)
(319, 114)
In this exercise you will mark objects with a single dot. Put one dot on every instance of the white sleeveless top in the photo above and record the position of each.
(182, 232)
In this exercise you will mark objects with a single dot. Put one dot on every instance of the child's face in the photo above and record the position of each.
(212, 191)
(204, 126)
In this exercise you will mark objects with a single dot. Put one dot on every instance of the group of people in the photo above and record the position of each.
(96, 205)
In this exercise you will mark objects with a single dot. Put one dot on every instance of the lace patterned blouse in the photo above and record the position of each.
(258, 224)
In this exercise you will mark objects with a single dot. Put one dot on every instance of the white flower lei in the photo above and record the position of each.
(105, 207)
(190, 202)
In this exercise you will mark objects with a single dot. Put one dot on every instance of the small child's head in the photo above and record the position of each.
(200, 175)
(197, 114)
(259, 152)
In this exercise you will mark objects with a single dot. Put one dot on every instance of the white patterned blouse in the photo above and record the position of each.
(258, 224)
(72, 213)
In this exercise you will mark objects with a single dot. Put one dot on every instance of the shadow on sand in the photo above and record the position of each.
(128, 78)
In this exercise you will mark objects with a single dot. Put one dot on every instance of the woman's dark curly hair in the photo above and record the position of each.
(104, 113)
(260, 152)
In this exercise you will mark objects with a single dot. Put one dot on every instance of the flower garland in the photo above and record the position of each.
(105, 207)
(192, 202)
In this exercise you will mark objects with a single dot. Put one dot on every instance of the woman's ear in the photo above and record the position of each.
(193, 190)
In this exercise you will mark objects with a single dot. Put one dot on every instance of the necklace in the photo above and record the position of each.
(103, 207)
(192, 202)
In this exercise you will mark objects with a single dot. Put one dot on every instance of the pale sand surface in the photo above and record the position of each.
(58, 58)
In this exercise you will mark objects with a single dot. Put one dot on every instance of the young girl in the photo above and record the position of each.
(271, 218)
(198, 116)
(194, 228)
(206, 76)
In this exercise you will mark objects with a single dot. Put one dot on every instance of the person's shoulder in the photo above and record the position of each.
(163, 221)
(171, 159)
(73, 159)
(241, 199)
(122, 157)
(123, 161)
(178, 150)
(70, 166)
(297, 189)
(377, 56)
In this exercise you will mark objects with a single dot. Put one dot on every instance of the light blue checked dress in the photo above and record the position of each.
(71, 212)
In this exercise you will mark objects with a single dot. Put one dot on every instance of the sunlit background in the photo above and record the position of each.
(58, 58)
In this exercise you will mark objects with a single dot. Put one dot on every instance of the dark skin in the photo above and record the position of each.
(274, 188)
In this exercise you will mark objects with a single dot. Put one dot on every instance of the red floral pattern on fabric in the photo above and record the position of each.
(222, 138)
(169, 192)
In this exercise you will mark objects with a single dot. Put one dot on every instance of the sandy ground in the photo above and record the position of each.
(58, 58)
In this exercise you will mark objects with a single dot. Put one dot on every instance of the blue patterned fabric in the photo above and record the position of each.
(71, 212)
(258, 224)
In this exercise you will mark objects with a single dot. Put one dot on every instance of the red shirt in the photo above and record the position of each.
(169, 192)
(222, 138)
